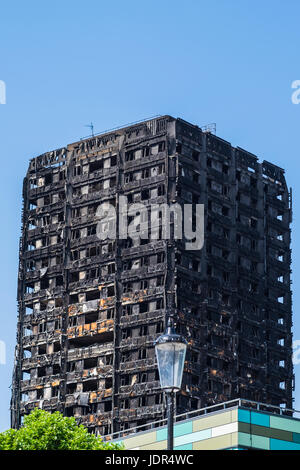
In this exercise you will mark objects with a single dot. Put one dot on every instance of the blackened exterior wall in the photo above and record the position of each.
(89, 310)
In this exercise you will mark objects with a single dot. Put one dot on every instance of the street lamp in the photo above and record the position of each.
(170, 349)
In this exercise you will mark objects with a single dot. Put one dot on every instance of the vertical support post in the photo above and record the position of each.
(170, 415)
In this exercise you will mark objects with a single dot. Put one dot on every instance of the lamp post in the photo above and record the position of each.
(170, 349)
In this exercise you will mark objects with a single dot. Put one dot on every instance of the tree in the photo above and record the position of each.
(52, 431)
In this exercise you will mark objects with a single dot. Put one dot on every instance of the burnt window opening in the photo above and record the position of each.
(69, 411)
(90, 386)
(90, 363)
(96, 166)
(143, 377)
(91, 230)
(108, 360)
(126, 333)
(178, 147)
(125, 404)
(39, 393)
(42, 327)
(124, 380)
(42, 372)
(72, 321)
(143, 401)
(71, 366)
(158, 398)
(142, 353)
(55, 391)
(91, 317)
(59, 281)
(144, 330)
(71, 388)
(125, 356)
(107, 406)
(74, 277)
(108, 383)
(92, 295)
(196, 155)
(42, 349)
(55, 369)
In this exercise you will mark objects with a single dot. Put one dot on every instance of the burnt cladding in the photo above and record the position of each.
(90, 309)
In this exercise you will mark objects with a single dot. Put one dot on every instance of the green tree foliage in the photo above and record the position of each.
(52, 431)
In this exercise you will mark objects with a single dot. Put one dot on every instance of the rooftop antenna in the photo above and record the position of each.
(91, 126)
(209, 128)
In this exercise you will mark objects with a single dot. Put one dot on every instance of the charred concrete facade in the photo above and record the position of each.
(90, 310)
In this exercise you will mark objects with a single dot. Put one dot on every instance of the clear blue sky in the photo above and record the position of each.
(67, 63)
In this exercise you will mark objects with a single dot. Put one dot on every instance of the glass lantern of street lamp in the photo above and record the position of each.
(170, 349)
